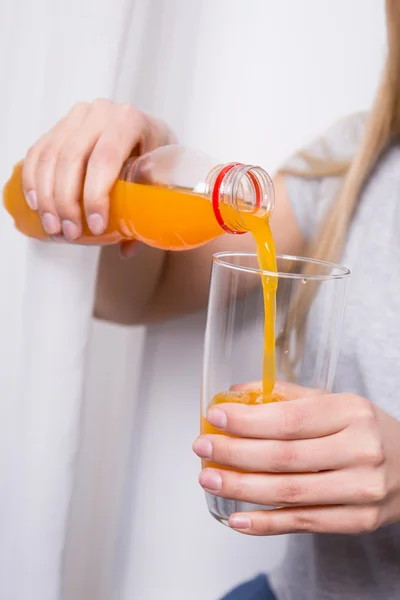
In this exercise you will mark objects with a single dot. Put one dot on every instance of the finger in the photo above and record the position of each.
(39, 168)
(28, 176)
(308, 417)
(348, 520)
(71, 166)
(308, 489)
(277, 456)
(31, 160)
(122, 133)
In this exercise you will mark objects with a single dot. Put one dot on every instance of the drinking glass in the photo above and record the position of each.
(310, 302)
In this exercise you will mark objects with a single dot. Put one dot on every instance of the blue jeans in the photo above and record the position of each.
(255, 589)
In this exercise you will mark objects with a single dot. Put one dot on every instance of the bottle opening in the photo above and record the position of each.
(246, 189)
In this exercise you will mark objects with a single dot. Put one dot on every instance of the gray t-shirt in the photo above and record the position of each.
(364, 567)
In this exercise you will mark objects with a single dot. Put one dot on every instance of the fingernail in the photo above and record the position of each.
(217, 418)
(203, 447)
(96, 224)
(49, 223)
(239, 522)
(31, 199)
(211, 480)
(70, 230)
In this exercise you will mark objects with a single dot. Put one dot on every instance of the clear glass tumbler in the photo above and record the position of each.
(310, 303)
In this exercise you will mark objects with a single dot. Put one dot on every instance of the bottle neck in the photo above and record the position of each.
(244, 189)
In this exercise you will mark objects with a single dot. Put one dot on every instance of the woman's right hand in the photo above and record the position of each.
(85, 150)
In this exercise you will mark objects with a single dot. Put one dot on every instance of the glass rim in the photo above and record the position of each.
(343, 272)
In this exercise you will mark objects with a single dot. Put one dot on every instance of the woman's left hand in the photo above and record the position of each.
(331, 461)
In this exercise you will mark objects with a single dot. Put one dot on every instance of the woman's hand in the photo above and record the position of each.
(331, 461)
(85, 150)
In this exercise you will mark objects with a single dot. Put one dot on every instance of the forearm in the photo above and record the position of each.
(125, 287)
(156, 285)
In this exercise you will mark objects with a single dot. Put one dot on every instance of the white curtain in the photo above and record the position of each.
(98, 491)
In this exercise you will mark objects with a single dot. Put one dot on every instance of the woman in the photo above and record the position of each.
(333, 465)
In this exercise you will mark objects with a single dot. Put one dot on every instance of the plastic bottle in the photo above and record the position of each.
(171, 198)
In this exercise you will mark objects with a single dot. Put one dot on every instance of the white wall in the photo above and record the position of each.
(52, 53)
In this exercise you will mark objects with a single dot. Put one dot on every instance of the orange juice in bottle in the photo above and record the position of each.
(171, 198)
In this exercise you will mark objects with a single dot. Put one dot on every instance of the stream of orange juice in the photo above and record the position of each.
(261, 232)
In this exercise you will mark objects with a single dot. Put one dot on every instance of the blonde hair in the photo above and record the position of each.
(382, 125)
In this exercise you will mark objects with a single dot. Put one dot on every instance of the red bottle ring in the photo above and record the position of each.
(216, 193)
